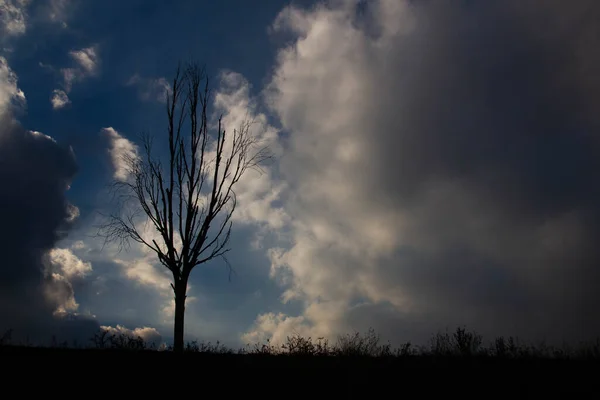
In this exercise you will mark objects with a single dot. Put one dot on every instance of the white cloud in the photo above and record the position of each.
(257, 192)
(10, 94)
(148, 334)
(337, 231)
(138, 264)
(388, 163)
(121, 151)
(59, 99)
(69, 264)
(13, 16)
(275, 327)
(69, 76)
(78, 245)
(87, 65)
(143, 268)
(320, 319)
(145, 273)
(73, 212)
(87, 58)
(43, 135)
(62, 269)
(59, 291)
(151, 89)
(58, 11)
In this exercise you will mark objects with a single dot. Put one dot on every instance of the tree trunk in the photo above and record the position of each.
(180, 296)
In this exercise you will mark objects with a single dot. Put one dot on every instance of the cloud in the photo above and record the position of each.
(36, 171)
(121, 150)
(145, 273)
(59, 292)
(150, 89)
(72, 211)
(126, 285)
(87, 58)
(68, 263)
(148, 334)
(87, 63)
(62, 268)
(10, 94)
(276, 327)
(258, 193)
(135, 276)
(141, 266)
(58, 11)
(59, 99)
(69, 76)
(17, 17)
(13, 17)
(441, 163)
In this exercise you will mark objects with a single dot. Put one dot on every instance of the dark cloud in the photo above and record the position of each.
(446, 157)
(498, 126)
(35, 172)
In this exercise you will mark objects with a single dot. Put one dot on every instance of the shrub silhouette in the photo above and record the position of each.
(460, 344)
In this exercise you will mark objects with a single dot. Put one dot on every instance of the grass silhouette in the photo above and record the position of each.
(354, 365)
(460, 344)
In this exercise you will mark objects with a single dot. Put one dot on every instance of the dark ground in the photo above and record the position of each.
(282, 376)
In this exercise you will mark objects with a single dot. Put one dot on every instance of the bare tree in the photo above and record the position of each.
(188, 200)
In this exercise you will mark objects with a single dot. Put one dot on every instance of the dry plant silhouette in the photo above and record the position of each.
(453, 362)
(461, 344)
(189, 198)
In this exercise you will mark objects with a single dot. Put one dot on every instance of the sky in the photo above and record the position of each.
(436, 165)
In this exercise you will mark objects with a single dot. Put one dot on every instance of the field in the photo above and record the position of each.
(356, 366)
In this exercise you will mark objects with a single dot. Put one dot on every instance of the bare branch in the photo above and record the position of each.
(188, 198)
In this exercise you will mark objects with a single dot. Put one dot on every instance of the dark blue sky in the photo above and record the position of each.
(147, 38)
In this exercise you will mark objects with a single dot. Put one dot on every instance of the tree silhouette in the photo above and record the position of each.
(188, 201)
